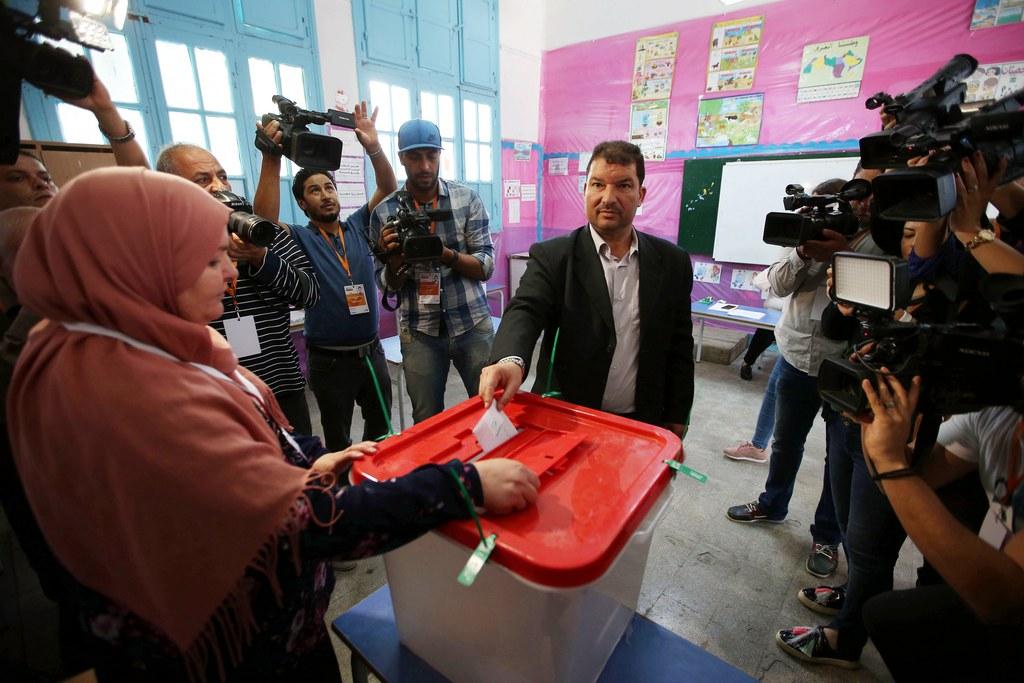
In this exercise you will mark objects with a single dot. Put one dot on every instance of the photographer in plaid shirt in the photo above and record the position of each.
(444, 316)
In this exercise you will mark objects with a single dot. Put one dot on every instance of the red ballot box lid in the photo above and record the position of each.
(600, 474)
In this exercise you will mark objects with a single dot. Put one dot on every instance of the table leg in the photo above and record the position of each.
(700, 340)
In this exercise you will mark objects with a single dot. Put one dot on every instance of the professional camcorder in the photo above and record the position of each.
(416, 239)
(963, 367)
(929, 119)
(821, 212)
(308, 150)
(243, 222)
(51, 69)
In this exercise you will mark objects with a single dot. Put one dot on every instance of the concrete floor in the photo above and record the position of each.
(724, 586)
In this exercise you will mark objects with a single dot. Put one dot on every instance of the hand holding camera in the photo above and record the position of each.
(886, 430)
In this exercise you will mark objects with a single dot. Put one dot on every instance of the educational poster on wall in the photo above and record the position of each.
(558, 166)
(653, 66)
(521, 151)
(744, 280)
(706, 271)
(994, 81)
(989, 13)
(648, 128)
(832, 70)
(733, 56)
(729, 121)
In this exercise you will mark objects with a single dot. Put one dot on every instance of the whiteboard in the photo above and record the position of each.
(750, 189)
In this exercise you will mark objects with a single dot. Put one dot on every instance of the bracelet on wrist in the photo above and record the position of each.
(380, 150)
(895, 474)
(116, 139)
(454, 259)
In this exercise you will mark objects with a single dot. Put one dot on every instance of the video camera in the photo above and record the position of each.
(243, 222)
(929, 118)
(417, 241)
(308, 150)
(829, 211)
(963, 367)
(51, 69)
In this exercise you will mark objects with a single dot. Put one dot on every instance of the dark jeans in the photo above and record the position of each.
(760, 341)
(339, 380)
(872, 534)
(293, 405)
(930, 634)
(796, 406)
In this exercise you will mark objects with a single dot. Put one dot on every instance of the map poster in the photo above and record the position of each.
(728, 121)
(733, 56)
(989, 13)
(994, 81)
(653, 66)
(832, 70)
(648, 128)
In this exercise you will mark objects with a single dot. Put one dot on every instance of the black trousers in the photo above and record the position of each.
(293, 405)
(929, 634)
(341, 379)
(759, 341)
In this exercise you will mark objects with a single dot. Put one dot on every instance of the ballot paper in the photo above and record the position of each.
(494, 428)
(752, 315)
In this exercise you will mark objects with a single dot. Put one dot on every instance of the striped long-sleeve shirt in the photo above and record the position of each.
(285, 278)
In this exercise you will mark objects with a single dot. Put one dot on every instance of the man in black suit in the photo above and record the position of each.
(616, 300)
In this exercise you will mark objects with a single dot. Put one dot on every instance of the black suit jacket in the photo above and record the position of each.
(564, 289)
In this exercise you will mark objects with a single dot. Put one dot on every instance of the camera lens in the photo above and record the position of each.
(252, 228)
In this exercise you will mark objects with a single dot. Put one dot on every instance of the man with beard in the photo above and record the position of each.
(341, 329)
(444, 315)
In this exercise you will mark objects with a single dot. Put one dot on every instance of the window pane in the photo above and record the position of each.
(380, 96)
(78, 125)
(472, 160)
(448, 161)
(114, 68)
(428, 105)
(446, 115)
(134, 117)
(485, 163)
(224, 142)
(187, 128)
(293, 86)
(264, 85)
(389, 143)
(214, 82)
(176, 74)
(485, 123)
(468, 121)
(401, 107)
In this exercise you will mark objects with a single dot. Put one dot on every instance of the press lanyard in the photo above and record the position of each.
(433, 205)
(237, 378)
(330, 243)
(231, 289)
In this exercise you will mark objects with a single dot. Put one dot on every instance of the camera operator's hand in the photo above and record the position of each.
(845, 309)
(508, 485)
(338, 461)
(822, 250)
(240, 250)
(272, 133)
(390, 246)
(366, 128)
(974, 188)
(112, 125)
(508, 376)
(884, 434)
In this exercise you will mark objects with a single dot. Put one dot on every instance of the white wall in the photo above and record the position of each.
(335, 35)
(521, 23)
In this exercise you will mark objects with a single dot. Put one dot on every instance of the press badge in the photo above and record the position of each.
(995, 530)
(241, 334)
(355, 297)
(428, 287)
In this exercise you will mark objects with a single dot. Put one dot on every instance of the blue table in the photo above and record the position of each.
(702, 312)
(647, 652)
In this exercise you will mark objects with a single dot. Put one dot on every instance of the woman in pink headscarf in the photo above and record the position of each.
(194, 526)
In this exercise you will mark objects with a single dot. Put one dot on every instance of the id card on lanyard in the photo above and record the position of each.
(241, 330)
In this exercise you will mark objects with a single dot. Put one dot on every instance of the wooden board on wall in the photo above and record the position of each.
(65, 160)
(702, 185)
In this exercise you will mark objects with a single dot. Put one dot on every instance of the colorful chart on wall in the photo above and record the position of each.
(729, 121)
(832, 70)
(994, 81)
(648, 128)
(653, 66)
(989, 13)
(732, 58)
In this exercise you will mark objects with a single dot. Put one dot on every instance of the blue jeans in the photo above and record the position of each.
(425, 362)
(872, 534)
(795, 411)
(766, 416)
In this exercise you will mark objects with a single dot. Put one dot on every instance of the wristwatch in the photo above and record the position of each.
(983, 236)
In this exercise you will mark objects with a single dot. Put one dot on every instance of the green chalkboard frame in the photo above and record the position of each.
(702, 181)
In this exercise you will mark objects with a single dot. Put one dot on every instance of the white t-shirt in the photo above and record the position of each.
(987, 438)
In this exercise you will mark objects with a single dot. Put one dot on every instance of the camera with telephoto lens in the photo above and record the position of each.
(243, 222)
(929, 119)
(821, 212)
(417, 243)
(53, 70)
(307, 149)
(963, 367)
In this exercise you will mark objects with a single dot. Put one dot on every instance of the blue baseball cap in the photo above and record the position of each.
(418, 133)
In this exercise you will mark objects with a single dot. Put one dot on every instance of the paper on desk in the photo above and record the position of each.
(493, 429)
(721, 305)
(740, 313)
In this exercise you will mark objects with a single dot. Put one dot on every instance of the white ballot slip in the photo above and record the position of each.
(493, 429)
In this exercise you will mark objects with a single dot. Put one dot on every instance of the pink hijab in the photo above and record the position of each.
(155, 484)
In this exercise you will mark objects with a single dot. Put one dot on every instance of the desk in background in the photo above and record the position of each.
(702, 312)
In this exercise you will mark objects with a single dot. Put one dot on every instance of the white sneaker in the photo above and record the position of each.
(747, 451)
